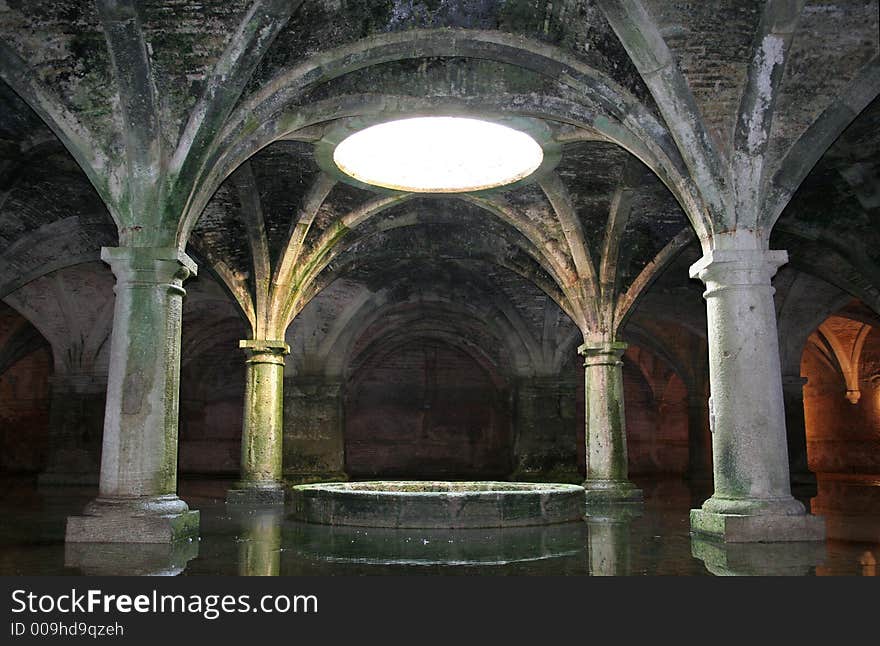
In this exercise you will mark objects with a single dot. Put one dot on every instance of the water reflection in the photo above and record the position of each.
(259, 549)
(254, 541)
(758, 559)
(556, 549)
(851, 506)
(130, 559)
(609, 532)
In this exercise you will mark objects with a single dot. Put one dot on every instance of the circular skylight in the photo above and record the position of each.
(438, 155)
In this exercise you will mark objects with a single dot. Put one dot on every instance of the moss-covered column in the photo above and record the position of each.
(607, 480)
(262, 428)
(752, 500)
(137, 500)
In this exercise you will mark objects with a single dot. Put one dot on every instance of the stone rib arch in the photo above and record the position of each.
(844, 356)
(73, 134)
(813, 143)
(630, 121)
(300, 126)
(306, 291)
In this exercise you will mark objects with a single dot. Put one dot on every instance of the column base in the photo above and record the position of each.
(159, 519)
(757, 559)
(253, 493)
(762, 528)
(611, 492)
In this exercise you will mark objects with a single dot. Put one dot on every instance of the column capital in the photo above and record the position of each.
(599, 353)
(265, 350)
(725, 268)
(149, 265)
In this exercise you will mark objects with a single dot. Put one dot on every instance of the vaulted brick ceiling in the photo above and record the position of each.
(336, 59)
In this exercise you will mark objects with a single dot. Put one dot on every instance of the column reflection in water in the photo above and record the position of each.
(758, 559)
(609, 539)
(131, 559)
(259, 551)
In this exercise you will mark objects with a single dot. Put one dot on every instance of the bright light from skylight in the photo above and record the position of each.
(438, 155)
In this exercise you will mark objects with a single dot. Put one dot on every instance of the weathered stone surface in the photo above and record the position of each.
(437, 504)
(314, 444)
(137, 500)
(261, 439)
(606, 426)
(545, 431)
(123, 521)
(758, 528)
(752, 499)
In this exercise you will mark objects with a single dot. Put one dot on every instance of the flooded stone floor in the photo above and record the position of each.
(653, 539)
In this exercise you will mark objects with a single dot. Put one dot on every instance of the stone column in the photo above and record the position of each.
(76, 414)
(699, 444)
(261, 435)
(752, 500)
(607, 467)
(137, 500)
(796, 427)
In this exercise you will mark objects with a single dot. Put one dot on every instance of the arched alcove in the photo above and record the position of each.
(841, 363)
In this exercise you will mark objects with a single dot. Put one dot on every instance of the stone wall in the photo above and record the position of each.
(211, 409)
(313, 430)
(546, 423)
(427, 410)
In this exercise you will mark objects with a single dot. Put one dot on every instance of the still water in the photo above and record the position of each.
(652, 539)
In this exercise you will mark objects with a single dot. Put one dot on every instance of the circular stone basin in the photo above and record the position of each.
(438, 504)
